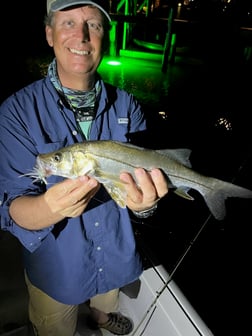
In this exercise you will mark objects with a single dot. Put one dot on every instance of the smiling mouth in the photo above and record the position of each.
(80, 52)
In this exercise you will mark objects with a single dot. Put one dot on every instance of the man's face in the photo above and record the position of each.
(76, 36)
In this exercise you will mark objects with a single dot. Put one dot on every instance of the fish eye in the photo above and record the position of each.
(57, 157)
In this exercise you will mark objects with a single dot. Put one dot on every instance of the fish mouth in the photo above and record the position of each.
(43, 170)
(47, 172)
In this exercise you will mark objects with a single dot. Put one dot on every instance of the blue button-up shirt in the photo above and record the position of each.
(78, 257)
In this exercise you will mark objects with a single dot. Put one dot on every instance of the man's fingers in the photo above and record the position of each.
(160, 182)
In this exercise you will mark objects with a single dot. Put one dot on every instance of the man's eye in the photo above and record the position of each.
(68, 23)
(94, 26)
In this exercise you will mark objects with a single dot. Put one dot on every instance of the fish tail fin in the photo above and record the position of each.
(215, 199)
(216, 204)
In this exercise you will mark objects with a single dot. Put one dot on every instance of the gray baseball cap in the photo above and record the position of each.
(56, 5)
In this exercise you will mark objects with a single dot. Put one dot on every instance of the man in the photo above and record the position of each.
(78, 244)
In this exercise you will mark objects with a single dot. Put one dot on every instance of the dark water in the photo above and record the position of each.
(205, 109)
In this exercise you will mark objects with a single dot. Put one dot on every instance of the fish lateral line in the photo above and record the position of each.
(104, 160)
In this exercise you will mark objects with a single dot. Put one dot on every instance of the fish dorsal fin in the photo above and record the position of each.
(180, 155)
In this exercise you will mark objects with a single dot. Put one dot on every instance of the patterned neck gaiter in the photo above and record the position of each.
(83, 103)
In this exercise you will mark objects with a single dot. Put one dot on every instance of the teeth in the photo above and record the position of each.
(80, 52)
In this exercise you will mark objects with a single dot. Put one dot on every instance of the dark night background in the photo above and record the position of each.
(219, 89)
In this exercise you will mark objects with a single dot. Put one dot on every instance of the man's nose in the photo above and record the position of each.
(85, 32)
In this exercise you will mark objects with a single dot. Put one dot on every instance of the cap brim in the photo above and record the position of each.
(58, 7)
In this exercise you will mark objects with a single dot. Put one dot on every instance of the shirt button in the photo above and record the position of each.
(98, 248)
(74, 132)
(97, 224)
(100, 269)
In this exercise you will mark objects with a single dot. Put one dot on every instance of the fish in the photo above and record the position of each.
(104, 160)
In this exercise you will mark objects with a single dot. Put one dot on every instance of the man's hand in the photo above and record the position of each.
(147, 191)
(70, 197)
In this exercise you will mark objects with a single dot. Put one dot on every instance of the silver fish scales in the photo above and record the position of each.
(106, 159)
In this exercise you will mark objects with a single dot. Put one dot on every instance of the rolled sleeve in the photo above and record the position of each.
(30, 239)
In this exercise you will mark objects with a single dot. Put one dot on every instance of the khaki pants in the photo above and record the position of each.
(52, 318)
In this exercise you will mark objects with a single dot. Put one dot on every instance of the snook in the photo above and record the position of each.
(105, 160)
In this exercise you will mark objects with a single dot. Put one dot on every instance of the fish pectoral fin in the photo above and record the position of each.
(183, 192)
(117, 192)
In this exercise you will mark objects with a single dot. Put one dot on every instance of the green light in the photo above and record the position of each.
(140, 55)
(112, 39)
(114, 63)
